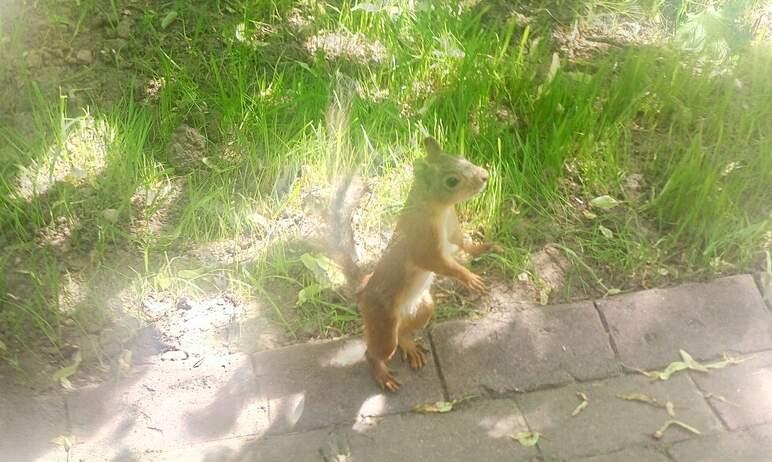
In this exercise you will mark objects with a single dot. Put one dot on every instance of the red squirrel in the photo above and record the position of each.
(394, 300)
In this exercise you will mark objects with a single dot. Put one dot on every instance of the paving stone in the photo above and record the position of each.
(706, 320)
(609, 423)
(752, 445)
(747, 388)
(633, 454)
(169, 404)
(319, 445)
(525, 350)
(316, 385)
(476, 431)
(28, 424)
(308, 446)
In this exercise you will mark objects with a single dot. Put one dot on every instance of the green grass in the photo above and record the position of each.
(696, 134)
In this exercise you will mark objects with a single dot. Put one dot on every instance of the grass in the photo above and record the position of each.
(681, 142)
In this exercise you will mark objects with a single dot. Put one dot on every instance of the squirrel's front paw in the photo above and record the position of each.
(475, 283)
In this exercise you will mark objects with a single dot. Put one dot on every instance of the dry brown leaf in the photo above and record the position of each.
(583, 404)
(719, 398)
(439, 407)
(670, 408)
(640, 397)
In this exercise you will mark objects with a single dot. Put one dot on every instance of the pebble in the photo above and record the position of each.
(84, 57)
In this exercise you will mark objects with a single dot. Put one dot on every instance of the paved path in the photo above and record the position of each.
(524, 371)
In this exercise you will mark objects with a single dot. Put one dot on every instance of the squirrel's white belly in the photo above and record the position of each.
(414, 293)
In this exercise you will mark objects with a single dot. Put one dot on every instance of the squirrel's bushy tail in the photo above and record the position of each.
(341, 236)
(350, 188)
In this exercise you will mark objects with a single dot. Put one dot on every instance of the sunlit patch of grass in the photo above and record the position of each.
(680, 142)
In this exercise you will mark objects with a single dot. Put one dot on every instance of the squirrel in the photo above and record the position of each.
(394, 300)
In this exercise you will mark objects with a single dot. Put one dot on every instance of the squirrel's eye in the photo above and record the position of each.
(452, 181)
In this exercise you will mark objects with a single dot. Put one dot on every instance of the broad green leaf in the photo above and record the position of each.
(326, 271)
(308, 293)
(527, 439)
(604, 202)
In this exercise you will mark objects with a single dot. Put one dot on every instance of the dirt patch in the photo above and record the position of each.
(597, 35)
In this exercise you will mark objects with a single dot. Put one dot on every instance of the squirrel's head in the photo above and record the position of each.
(447, 178)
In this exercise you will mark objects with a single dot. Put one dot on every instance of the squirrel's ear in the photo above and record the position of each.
(422, 171)
(433, 149)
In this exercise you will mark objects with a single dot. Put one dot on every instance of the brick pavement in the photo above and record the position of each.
(522, 371)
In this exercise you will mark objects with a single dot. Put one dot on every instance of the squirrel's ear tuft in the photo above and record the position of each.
(433, 149)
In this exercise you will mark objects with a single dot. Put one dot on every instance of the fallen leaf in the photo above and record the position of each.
(670, 408)
(527, 439)
(607, 233)
(604, 202)
(691, 362)
(640, 397)
(726, 361)
(583, 404)
(439, 407)
(613, 291)
(65, 441)
(719, 398)
(661, 432)
(672, 368)
(168, 19)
